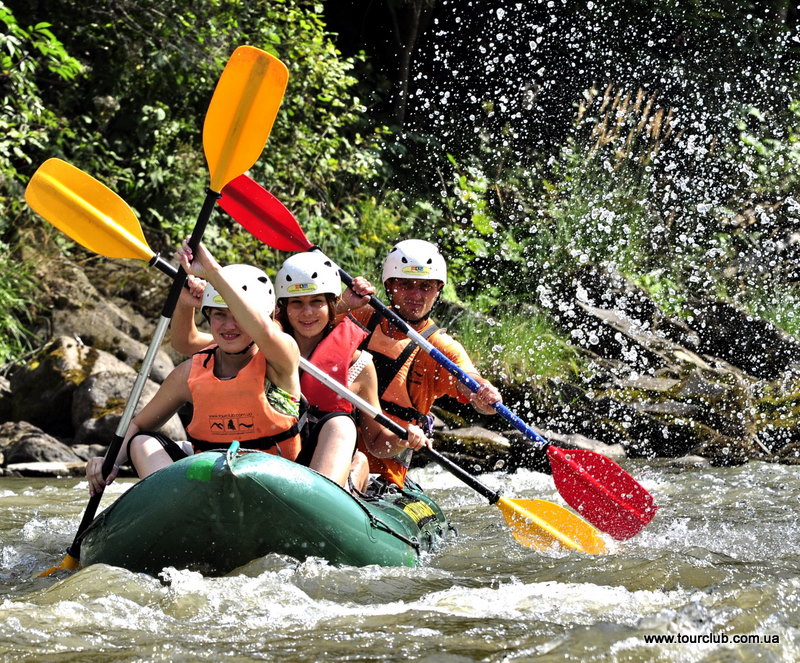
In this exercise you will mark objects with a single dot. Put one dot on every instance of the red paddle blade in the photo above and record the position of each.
(601, 491)
(263, 215)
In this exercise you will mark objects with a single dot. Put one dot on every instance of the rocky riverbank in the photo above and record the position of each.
(719, 388)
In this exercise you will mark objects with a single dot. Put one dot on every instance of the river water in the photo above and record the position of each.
(718, 570)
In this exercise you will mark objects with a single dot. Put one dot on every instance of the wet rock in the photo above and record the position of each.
(42, 390)
(474, 448)
(87, 451)
(46, 469)
(754, 345)
(693, 462)
(25, 443)
(100, 400)
(78, 309)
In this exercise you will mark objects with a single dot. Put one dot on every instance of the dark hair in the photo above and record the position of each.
(283, 318)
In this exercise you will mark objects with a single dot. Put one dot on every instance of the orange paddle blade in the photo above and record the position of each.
(86, 210)
(242, 111)
(69, 563)
(540, 524)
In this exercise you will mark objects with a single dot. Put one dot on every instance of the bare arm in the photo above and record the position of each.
(185, 337)
(380, 441)
(173, 393)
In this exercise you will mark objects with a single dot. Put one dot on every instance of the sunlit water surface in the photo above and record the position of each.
(719, 561)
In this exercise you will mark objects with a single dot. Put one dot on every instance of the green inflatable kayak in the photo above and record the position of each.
(213, 512)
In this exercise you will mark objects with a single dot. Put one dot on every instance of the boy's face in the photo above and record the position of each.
(413, 299)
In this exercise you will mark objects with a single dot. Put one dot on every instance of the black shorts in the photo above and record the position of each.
(170, 446)
(310, 435)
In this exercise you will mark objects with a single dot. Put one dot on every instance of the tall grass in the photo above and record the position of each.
(516, 347)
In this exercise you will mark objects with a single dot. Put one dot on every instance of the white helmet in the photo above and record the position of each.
(307, 274)
(253, 281)
(415, 259)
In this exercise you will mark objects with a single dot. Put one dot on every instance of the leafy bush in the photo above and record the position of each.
(517, 347)
(16, 302)
(27, 125)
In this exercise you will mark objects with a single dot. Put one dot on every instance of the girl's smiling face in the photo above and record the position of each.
(226, 331)
(308, 315)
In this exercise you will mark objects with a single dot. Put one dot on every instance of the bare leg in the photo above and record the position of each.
(334, 451)
(147, 455)
(359, 471)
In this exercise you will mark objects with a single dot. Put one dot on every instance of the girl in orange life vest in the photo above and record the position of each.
(414, 273)
(308, 289)
(244, 388)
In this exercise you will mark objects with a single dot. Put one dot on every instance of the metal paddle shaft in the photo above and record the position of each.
(534, 523)
(591, 483)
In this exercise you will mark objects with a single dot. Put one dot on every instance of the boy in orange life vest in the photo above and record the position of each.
(414, 274)
(244, 388)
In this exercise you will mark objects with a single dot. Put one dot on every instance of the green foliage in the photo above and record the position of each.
(322, 147)
(511, 346)
(362, 233)
(772, 162)
(136, 118)
(30, 58)
(16, 301)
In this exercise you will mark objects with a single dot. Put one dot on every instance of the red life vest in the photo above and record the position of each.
(393, 358)
(237, 409)
(334, 354)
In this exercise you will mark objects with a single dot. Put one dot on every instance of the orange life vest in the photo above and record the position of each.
(393, 358)
(237, 409)
(334, 354)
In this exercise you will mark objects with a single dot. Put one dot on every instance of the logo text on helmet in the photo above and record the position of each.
(416, 270)
(218, 300)
(301, 288)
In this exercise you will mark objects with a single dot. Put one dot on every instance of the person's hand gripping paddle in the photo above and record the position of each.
(594, 485)
(237, 124)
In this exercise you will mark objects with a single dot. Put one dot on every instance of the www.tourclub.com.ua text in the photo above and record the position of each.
(713, 638)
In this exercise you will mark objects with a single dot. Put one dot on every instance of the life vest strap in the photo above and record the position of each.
(261, 443)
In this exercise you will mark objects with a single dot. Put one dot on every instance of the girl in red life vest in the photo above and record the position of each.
(244, 388)
(308, 289)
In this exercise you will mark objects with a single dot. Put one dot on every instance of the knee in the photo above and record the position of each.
(343, 428)
(136, 447)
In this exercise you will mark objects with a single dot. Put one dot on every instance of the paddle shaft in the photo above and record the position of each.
(395, 428)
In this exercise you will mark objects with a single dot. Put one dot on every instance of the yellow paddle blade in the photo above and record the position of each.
(86, 210)
(69, 563)
(242, 111)
(539, 524)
